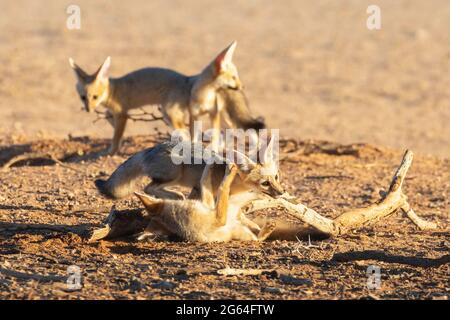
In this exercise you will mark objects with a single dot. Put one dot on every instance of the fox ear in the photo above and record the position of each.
(150, 203)
(244, 163)
(225, 57)
(103, 71)
(78, 71)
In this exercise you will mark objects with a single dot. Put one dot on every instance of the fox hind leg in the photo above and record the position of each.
(157, 189)
(224, 195)
(266, 230)
(243, 233)
(249, 223)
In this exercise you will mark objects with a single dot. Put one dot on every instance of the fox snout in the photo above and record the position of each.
(88, 107)
(272, 188)
(236, 86)
(276, 190)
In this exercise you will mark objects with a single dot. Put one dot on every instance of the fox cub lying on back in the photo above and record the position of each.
(201, 220)
(216, 91)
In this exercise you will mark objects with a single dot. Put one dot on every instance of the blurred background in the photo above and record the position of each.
(312, 68)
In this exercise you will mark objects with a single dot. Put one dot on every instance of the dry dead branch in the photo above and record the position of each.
(389, 258)
(35, 156)
(142, 115)
(242, 272)
(389, 203)
(31, 276)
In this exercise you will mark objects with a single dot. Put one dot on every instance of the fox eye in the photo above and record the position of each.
(83, 98)
(265, 184)
(94, 97)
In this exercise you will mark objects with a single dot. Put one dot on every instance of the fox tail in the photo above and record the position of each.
(123, 180)
(238, 110)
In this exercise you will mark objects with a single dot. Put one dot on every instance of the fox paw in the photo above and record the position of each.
(270, 225)
(267, 230)
(232, 168)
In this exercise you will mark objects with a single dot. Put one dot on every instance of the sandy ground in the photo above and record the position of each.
(48, 212)
(312, 68)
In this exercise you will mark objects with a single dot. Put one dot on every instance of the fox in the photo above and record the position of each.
(157, 163)
(200, 220)
(178, 96)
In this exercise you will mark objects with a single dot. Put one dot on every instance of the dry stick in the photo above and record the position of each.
(387, 205)
(102, 115)
(62, 229)
(31, 276)
(241, 272)
(418, 221)
(32, 156)
(26, 156)
(300, 211)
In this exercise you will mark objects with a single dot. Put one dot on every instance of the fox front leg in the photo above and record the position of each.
(267, 230)
(119, 127)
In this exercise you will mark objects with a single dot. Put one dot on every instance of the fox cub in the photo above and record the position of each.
(178, 96)
(157, 163)
(200, 220)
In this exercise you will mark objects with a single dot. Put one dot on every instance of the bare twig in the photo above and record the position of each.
(418, 221)
(241, 272)
(383, 256)
(34, 156)
(142, 115)
(31, 276)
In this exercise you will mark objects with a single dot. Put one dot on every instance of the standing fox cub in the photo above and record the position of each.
(177, 95)
(201, 220)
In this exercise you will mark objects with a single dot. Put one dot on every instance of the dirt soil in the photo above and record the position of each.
(48, 211)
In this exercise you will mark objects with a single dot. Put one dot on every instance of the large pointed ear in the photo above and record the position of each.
(244, 163)
(225, 57)
(78, 71)
(153, 205)
(103, 71)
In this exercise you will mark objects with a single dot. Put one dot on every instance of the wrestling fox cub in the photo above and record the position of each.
(177, 95)
(157, 163)
(201, 220)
